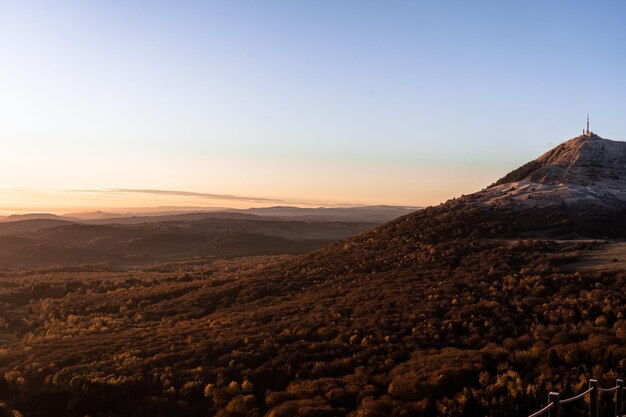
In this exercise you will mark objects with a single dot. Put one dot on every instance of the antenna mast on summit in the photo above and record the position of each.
(588, 133)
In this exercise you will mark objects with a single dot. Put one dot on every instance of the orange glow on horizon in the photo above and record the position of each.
(411, 187)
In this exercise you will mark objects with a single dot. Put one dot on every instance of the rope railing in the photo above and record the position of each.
(553, 409)
(576, 397)
(543, 410)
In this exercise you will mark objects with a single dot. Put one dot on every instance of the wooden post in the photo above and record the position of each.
(619, 398)
(553, 397)
(593, 398)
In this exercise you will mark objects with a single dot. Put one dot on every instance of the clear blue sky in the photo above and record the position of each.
(387, 102)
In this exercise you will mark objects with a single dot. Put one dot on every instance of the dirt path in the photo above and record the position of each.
(611, 257)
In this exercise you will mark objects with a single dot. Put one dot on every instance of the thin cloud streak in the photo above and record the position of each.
(210, 196)
(183, 194)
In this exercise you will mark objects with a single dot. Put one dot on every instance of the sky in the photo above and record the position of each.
(117, 104)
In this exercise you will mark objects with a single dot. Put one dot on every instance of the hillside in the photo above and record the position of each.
(30, 225)
(584, 177)
(577, 189)
(393, 326)
(31, 216)
(40, 243)
(582, 161)
(478, 306)
(357, 214)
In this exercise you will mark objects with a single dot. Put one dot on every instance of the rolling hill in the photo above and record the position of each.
(32, 243)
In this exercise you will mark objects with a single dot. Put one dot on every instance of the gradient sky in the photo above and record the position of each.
(251, 103)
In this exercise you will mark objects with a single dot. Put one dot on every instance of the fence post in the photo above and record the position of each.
(593, 398)
(619, 398)
(553, 397)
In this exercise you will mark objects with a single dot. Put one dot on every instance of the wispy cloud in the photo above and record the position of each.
(208, 196)
(8, 188)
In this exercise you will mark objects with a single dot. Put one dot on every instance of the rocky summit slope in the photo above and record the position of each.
(581, 181)
(576, 190)
(582, 161)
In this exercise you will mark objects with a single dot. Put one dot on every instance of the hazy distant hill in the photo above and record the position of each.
(31, 216)
(41, 239)
(94, 215)
(365, 214)
(32, 225)
(55, 242)
(177, 217)
(373, 214)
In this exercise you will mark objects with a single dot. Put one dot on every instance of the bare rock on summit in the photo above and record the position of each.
(586, 173)
(583, 160)
(577, 189)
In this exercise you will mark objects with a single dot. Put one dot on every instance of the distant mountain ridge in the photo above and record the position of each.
(30, 225)
(367, 214)
(32, 216)
(142, 240)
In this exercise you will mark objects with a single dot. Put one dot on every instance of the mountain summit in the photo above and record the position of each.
(577, 189)
(586, 175)
(583, 160)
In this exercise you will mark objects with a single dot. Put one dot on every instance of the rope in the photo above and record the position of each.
(543, 410)
(576, 397)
